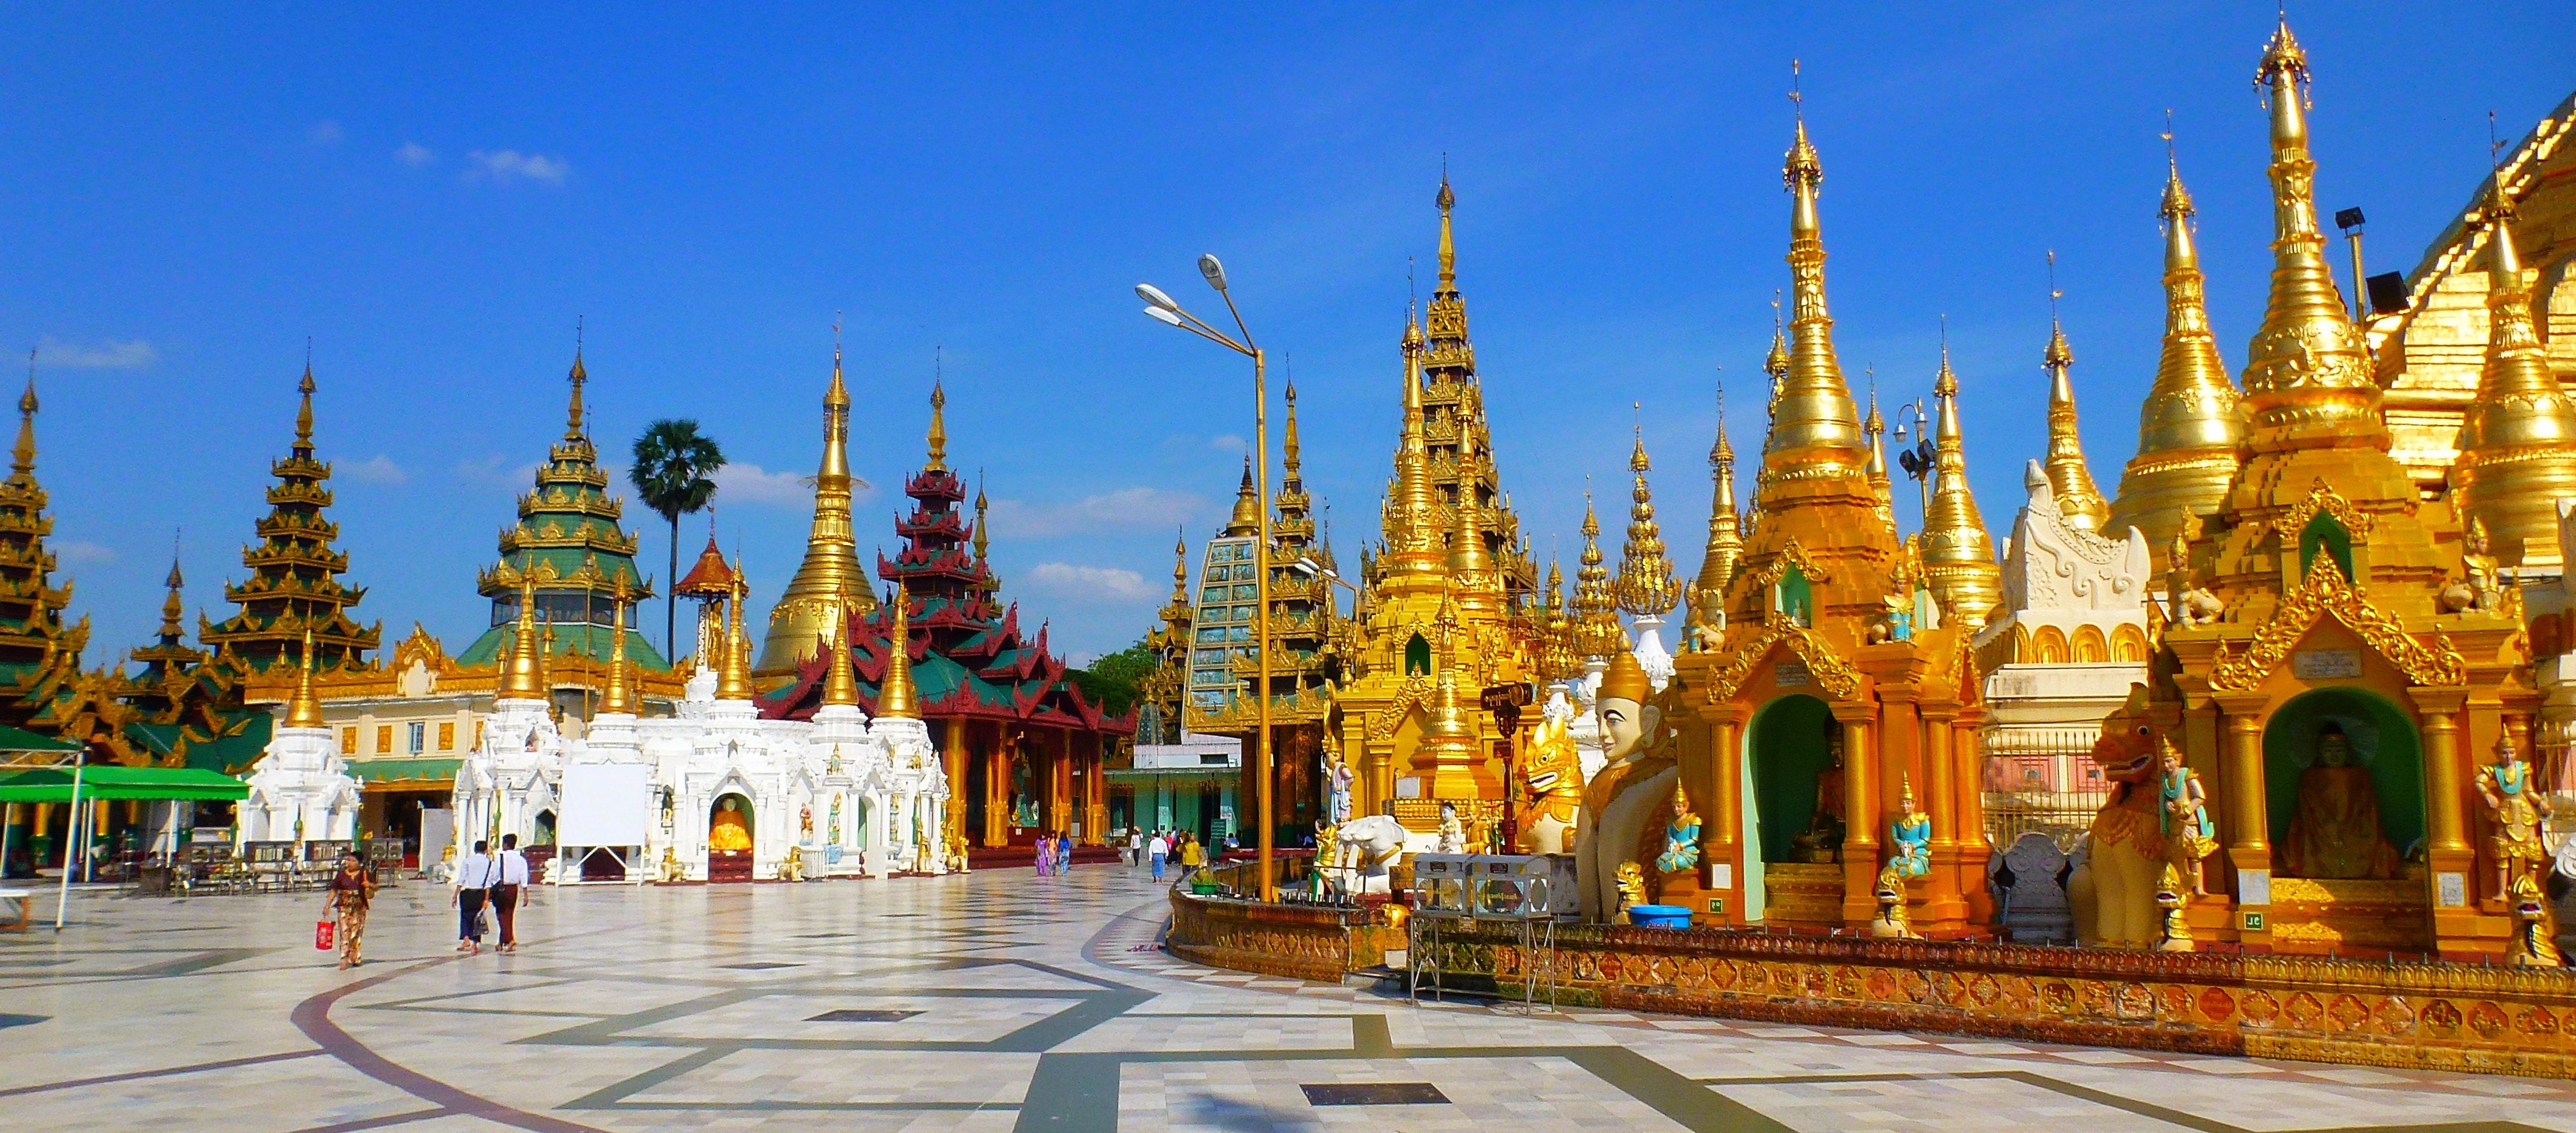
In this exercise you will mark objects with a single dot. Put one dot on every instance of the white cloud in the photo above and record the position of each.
(739, 482)
(1122, 510)
(414, 154)
(1090, 582)
(505, 165)
(107, 355)
(75, 553)
(497, 470)
(378, 469)
(1227, 442)
(325, 133)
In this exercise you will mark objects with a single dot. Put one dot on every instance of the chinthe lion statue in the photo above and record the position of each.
(2113, 892)
(1551, 789)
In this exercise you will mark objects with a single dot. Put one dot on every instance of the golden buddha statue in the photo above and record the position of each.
(1822, 841)
(729, 831)
(2335, 831)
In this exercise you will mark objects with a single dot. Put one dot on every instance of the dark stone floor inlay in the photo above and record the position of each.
(758, 966)
(863, 1015)
(1373, 1093)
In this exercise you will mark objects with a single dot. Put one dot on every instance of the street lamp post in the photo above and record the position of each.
(1162, 309)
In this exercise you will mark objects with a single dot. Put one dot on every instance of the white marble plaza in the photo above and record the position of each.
(993, 1001)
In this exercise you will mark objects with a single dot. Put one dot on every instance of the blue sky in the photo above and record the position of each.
(189, 193)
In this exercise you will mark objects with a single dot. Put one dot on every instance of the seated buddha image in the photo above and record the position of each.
(1822, 841)
(729, 831)
(2334, 832)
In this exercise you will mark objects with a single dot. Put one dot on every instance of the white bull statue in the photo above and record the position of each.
(1363, 850)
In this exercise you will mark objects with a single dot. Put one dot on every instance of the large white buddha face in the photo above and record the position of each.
(1624, 726)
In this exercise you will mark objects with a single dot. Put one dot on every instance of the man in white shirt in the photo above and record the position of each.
(509, 873)
(1156, 850)
(472, 880)
(1135, 846)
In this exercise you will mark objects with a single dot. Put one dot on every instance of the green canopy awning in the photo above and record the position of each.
(116, 781)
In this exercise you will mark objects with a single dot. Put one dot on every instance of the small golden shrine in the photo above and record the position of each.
(1801, 724)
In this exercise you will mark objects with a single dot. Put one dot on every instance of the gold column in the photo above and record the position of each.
(1967, 781)
(1860, 815)
(952, 760)
(2445, 820)
(2247, 816)
(1950, 880)
(1726, 844)
(1095, 810)
(997, 788)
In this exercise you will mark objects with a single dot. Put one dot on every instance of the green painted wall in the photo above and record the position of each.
(2383, 739)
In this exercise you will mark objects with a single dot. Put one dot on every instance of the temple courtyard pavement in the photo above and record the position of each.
(994, 1001)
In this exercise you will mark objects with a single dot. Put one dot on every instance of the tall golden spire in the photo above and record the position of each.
(1246, 519)
(619, 699)
(1412, 516)
(1958, 556)
(1597, 632)
(2308, 380)
(1473, 583)
(938, 429)
(1725, 532)
(840, 682)
(520, 677)
(305, 710)
(895, 696)
(573, 413)
(2518, 440)
(1646, 587)
(983, 545)
(172, 607)
(22, 456)
(2077, 499)
(831, 568)
(1876, 428)
(1448, 250)
(2189, 429)
(303, 445)
(1814, 430)
(733, 681)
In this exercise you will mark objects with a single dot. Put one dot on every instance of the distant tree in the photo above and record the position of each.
(671, 473)
(1111, 681)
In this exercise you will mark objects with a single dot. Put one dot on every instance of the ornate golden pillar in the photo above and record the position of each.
(1861, 817)
(1722, 836)
(1968, 784)
(952, 763)
(2248, 820)
(2447, 850)
(1950, 886)
(997, 787)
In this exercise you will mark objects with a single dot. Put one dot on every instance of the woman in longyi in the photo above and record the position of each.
(2335, 831)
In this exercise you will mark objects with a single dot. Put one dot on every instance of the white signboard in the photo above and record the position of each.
(2450, 890)
(1789, 674)
(2325, 664)
(605, 804)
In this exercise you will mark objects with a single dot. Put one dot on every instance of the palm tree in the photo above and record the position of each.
(672, 464)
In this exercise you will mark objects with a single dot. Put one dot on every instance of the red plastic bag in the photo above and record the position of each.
(322, 934)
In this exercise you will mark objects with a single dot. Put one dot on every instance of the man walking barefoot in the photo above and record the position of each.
(473, 883)
(509, 874)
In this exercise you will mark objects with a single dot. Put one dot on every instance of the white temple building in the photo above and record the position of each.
(301, 790)
(733, 797)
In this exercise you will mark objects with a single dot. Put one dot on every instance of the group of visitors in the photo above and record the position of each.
(1055, 855)
(488, 882)
(1165, 847)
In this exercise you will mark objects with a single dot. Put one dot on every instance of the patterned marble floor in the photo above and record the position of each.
(996, 1001)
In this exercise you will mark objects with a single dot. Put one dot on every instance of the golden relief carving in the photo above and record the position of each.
(2327, 592)
(1790, 553)
(2321, 498)
(1830, 672)
(1414, 693)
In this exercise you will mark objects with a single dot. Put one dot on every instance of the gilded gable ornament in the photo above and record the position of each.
(1830, 672)
(2321, 498)
(2326, 592)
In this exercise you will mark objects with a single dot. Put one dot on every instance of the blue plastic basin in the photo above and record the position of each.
(1659, 916)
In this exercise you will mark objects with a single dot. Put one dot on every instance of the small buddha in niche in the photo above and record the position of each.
(1822, 840)
(730, 831)
(2334, 832)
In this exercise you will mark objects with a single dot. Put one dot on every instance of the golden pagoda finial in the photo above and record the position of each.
(305, 710)
(1289, 454)
(938, 428)
(2077, 499)
(1646, 587)
(2189, 429)
(1181, 569)
(2518, 438)
(840, 681)
(1246, 519)
(171, 607)
(1725, 528)
(619, 699)
(733, 681)
(1473, 582)
(1597, 632)
(2308, 380)
(830, 571)
(1412, 516)
(22, 457)
(520, 679)
(573, 414)
(304, 409)
(1958, 556)
(1874, 427)
(1814, 428)
(984, 538)
(1448, 249)
(1776, 363)
(895, 696)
